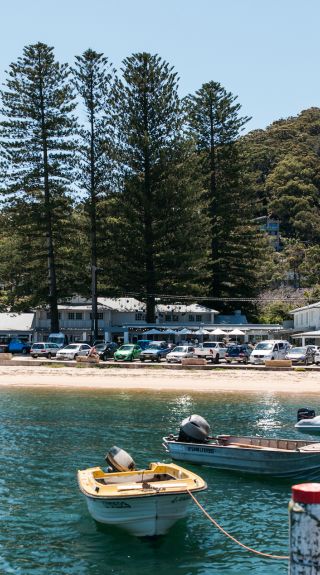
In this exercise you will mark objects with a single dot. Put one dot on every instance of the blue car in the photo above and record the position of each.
(19, 346)
(155, 351)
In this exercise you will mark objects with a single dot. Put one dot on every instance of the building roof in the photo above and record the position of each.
(131, 304)
(305, 307)
(17, 322)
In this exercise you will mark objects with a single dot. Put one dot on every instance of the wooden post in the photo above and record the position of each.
(304, 529)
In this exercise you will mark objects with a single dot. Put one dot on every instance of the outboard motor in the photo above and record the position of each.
(305, 413)
(194, 429)
(119, 460)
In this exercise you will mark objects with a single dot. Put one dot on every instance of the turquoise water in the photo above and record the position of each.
(46, 436)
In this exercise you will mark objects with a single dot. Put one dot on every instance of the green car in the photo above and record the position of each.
(127, 352)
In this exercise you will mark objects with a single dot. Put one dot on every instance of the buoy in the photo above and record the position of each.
(304, 529)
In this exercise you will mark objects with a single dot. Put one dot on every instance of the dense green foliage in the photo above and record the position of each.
(162, 193)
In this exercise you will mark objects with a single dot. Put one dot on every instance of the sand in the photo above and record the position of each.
(229, 380)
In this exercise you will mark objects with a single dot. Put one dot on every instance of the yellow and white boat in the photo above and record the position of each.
(144, 502)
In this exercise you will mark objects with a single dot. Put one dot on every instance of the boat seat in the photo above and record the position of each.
(311, 447)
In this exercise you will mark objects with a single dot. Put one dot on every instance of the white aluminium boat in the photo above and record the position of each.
(263, 456)
(144, 502)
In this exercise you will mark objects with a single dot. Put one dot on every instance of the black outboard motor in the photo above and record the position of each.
(119, 460)
(194, 429)
(305, 413)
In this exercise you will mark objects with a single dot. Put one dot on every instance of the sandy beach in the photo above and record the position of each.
(237, 380)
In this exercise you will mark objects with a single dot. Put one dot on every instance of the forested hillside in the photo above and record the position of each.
(111, 183)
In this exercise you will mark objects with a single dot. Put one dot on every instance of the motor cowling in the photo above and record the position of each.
(119, 460)
(194, 429)
(305, 413)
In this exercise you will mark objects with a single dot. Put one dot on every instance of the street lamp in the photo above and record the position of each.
(94, 303)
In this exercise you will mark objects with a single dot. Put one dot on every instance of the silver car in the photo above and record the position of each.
(72, 350)
(44, 349)
(179, 353)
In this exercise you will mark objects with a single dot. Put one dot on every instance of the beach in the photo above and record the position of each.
(226, 380)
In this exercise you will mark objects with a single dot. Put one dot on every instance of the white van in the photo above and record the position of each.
(269, 349)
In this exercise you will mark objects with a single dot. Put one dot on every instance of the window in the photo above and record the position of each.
(140, 316)
(70, 315)
(175, 318)
(167, 318)
(198, 317)
(191, 317)
(78, 315)
(99, 315)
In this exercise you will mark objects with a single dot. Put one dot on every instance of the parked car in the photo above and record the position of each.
(44, 349)
(19, 346)
(239, 353)
(156, 351)
(269, 349)
(72, 350)
(59, 338)
(105, 349)
(179, 353)
(303, 355)
(127, 352)
(211, 350)
(144, 343)
(316, 357)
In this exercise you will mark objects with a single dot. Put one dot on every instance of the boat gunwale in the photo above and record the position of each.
(299, 449)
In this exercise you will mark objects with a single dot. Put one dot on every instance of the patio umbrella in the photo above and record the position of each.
(219, 331)
(236, 331)
(202, 332)
(152, 331)
(169, 331)
(184, 331)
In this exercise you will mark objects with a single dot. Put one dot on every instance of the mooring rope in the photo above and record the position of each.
(230, 536)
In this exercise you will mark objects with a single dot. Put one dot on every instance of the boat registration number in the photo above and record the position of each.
(201, 449)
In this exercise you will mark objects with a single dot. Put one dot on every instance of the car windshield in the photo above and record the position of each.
(100, 345)
(38, 346)
(55, 339)
(234, 350)
(180, 348)
(71, 346)
(209, 344)
(264, 345)
(297, 350)
(154, 346)
(126, 347)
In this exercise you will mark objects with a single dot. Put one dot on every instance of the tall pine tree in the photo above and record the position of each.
(37, 136)
(214, 124)
(158, 224)
(93, 77)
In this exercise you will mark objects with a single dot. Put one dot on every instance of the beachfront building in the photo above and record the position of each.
(306, 324)
(124, 320)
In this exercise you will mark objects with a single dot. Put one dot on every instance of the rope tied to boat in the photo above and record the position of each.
(216, 524)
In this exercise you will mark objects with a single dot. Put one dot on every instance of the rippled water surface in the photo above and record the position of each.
(46, 436)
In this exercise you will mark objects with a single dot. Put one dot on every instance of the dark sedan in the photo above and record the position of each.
(106, 349)
(238, 353)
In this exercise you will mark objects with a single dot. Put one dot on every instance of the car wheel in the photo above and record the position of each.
(142, 359)
(49, 355)
(35, 356)
(104, 357)
(227, 361)
(216, 359)
(158, 359)
(24, 351)
(75, 356)
(245, 361)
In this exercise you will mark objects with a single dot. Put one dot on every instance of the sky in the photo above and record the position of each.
(265, 52)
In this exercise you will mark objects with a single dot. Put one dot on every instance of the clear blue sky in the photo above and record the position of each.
(264, 51)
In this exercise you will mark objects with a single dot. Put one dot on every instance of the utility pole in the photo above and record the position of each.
(94, 303)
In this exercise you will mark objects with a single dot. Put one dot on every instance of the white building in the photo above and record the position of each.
(306, 324)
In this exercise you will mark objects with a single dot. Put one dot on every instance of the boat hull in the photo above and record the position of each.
(295, 464)
(147, 516)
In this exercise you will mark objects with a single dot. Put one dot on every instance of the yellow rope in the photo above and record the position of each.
(230, 536)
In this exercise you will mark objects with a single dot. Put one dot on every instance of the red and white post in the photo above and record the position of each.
(304, 529)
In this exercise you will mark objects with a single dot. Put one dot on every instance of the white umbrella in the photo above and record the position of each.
(236, 331)
(202, 332)
(219, 331)
(152, 331)
(184, 331)
(169, 331)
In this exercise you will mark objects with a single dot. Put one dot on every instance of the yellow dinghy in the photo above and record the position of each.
(144, 502)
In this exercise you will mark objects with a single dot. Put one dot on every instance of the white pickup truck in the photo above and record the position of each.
(211, 351)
